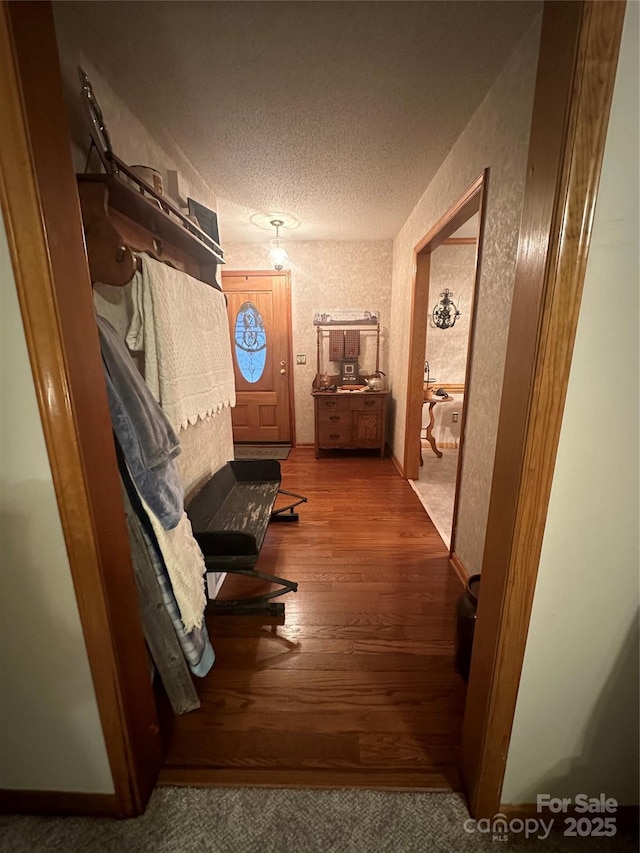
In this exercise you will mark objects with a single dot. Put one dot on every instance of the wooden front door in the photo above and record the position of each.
(259, 310)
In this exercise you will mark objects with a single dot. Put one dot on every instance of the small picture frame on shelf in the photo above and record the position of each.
(349, 371)
(207, 219)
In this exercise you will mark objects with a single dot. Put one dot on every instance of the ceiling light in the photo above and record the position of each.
(278, 255)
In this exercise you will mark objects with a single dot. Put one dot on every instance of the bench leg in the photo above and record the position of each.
(290, 586)
(279, 514)
(273, 610)
(255, 605)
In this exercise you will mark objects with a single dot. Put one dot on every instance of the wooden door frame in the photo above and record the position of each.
(472, 201)
(44, 228)
(576, 72)
(285, 277)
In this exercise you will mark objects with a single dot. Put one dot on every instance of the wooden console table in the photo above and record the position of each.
(432, 399)
(350, 420)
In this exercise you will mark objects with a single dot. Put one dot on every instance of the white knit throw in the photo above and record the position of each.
(181, 325)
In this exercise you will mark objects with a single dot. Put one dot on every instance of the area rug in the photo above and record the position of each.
(261, 451)
(259, 820)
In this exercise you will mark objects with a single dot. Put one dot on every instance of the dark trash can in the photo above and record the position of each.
(466, 611)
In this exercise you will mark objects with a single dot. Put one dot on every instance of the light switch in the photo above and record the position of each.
(301, 358)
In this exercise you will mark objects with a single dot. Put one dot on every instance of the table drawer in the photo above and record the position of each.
(365, 402)
(325, 404)
(334, 417)
(334, 436)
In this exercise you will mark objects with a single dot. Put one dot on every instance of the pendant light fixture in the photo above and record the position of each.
(278, 255)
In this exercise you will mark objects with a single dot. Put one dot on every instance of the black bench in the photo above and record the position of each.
(229, 517)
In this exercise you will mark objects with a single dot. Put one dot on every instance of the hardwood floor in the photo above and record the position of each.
(358, 687)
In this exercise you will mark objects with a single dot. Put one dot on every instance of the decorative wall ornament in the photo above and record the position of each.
(445, 313)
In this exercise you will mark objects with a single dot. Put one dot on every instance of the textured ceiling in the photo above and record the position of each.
(338, 113)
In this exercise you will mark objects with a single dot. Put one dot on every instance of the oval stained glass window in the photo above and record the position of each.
(250, 340)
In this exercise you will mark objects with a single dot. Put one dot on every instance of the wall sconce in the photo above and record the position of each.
(445, 313)
(278, 255)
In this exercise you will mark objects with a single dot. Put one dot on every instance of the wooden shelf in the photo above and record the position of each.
(168, 224)
(122, 219)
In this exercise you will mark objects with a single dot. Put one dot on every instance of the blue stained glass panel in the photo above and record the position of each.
(250, 340)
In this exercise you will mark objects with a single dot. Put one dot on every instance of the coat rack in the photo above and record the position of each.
(120, 220)
(122, 214)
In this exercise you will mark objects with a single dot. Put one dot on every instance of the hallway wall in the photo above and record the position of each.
(496, 137)
(452, 267)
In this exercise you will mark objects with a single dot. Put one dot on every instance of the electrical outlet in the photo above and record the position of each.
(454, 417)
(301, 359)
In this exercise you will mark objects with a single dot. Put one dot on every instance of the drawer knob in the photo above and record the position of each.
(334, 418)
(336, 435)
(369, 402)
(329, 403)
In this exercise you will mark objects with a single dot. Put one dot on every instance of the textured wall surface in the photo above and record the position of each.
(326, 276)
(452, 267)
(576, 723)
(496, 137)
(207, 445)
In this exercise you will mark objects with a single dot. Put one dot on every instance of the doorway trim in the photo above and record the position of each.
(472, 201)
(574, 88)
(44, 229)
